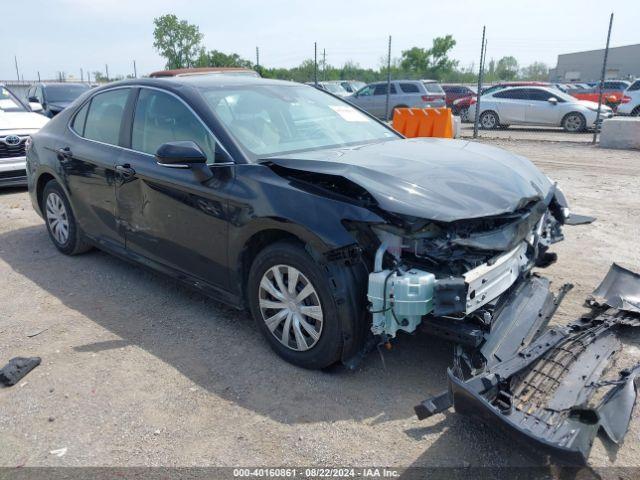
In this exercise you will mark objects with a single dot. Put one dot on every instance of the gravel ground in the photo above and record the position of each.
(137, 370)
(540, 134)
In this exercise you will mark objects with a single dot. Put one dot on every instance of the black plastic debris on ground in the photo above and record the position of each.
(16, 369)
(550, 393)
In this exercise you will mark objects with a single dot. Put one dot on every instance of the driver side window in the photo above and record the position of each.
(160, 118)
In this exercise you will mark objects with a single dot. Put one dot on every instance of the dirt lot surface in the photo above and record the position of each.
(137, 370)
(538, 134)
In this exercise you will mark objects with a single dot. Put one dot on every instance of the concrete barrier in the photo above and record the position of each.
(423, 122)
(620, 132)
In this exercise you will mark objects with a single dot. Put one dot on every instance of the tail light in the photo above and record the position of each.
(429, 98)
(625, 99)
(473, 101)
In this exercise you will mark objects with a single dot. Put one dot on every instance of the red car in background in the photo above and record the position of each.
(454, 92)
(461, 105)
(612, 92)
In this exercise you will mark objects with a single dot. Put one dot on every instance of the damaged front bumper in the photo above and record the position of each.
(557, 392)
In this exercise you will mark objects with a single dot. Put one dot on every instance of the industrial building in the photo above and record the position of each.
(623, 63)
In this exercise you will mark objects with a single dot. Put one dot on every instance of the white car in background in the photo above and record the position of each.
(17, 123)
(630, 103)
(534, 105)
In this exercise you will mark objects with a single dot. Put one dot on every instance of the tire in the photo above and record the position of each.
(287, 314)
(464, 114)
(489, 120)
(61, 223)
(574, 122)
(394, 109)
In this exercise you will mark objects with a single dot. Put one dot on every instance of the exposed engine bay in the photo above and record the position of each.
(457, 271)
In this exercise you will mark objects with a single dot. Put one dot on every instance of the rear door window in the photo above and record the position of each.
(80, 119)
(381, 89)
(634, 86)
(409, 88)
(105, 116)
(519, 94)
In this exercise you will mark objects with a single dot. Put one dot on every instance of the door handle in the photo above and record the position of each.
(64, 154)
(125, 170)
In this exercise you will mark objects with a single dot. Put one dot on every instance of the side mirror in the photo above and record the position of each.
(553, 101)
(35, 106)
(184, 155)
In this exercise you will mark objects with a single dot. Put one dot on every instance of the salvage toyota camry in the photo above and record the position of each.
(337, 233)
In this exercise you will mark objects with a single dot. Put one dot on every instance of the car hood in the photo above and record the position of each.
(594, 105)
(21, 120)
(435, 179)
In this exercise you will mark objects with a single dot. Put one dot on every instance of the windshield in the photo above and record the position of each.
(432, 87)
(64, 93)
(334, 88)
(281, 119)
(9, 103)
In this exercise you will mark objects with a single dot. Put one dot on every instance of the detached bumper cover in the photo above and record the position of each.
(559, 391)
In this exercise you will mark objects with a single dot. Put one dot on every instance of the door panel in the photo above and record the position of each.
(88, 158)
(540, 111)
(167, 215)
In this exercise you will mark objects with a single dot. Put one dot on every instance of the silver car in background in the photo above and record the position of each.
(403, 94)
(545, 106)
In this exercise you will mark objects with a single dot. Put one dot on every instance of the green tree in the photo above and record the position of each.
(177, 41)
(535, 71)
(431, 62)
(216, 58)
(507, 68)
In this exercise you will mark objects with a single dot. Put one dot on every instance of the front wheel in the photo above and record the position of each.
(293, 306)
(574, 122)
(489, 120)
(464, 114)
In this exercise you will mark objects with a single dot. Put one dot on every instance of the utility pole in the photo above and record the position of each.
(602, 78)
(315, 63)
(135, 70)
(258, 58)
(15, 58)
(106, 69)
(324, 64)
(386, 109)
(478, 94)
(38, 76)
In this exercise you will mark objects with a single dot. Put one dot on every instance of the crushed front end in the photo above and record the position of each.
(453, 279)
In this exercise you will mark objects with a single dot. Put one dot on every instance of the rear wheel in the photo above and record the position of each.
(61, 223)
(489, 120)
(293, 306)
(574, 122)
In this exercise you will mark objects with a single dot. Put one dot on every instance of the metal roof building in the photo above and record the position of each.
(623, 63)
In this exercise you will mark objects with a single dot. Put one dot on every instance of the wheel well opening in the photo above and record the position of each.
(42, 181)
(255, 244)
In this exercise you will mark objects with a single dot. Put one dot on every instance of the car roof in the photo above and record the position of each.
(198, 70)
(202, 81)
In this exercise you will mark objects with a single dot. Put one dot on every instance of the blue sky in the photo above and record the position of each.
(66, 35)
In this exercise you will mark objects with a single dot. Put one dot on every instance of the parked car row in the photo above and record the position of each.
(17, 123)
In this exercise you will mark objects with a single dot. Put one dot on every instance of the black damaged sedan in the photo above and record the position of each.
(330, 227)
